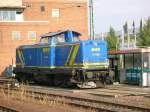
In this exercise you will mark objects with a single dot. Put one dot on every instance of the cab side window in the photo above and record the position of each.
(59, 39)
(76, 38)
(45, 40)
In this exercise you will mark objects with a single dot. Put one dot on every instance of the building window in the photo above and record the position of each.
(7, 15)
(42, 8)
(16, 35)
(1, 17)
(32, 35)
(55, 12)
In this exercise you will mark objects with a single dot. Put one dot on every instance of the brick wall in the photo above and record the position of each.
(8, 45)
(72, 15)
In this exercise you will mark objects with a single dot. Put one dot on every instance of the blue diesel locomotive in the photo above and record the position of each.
(61, 59)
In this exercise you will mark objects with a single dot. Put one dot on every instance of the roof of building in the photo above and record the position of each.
(50, 34)
(129, 51)
(66, 1)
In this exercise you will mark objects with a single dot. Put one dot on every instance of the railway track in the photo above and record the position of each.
(7, 109)
(98, 104)
(80, 101)
(4, 80)
(7, 81)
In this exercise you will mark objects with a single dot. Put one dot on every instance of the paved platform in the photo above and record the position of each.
(119, 90)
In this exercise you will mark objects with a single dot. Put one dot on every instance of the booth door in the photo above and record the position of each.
(114, 67)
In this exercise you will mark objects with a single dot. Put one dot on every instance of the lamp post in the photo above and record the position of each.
(91, 19)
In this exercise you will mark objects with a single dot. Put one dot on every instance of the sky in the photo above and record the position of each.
(116, 12)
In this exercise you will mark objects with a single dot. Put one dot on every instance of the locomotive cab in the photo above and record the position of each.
(60, 37)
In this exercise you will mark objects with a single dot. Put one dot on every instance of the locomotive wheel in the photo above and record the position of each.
(68, 84)
(21, 78)
(100, 84)
(58, 82)
(109, 80)
(63, 82)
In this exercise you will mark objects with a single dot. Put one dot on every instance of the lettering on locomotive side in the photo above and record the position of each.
(95, 49)
(46, 50)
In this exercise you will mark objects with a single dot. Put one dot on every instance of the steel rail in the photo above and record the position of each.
(96, 104)
(99, 104)
(7, 109)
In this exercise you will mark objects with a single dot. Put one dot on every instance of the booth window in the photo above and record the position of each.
(145, 60)
(133, 60)
(128, 60)
(137, 60)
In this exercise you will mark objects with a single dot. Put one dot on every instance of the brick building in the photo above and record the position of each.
(23, 21)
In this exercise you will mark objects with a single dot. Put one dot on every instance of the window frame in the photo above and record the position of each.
(42, 8)
(29, 38)
(13, 13)
(1, 16)
(55, 13)
(14, 38)
(57, 39)
(8, 16)
(76, 38)
(49, 40)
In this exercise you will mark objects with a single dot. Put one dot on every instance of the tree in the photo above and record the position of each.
(141, 25)
(133, 25)
(112, 39)
(125, 29)
(144, 38)
(132, 37)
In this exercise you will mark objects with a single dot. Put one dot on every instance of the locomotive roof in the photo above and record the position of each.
(51, 34)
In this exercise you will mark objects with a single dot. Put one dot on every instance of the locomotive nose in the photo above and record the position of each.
(95, 52)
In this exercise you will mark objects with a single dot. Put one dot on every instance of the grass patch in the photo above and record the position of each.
(24, 96)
